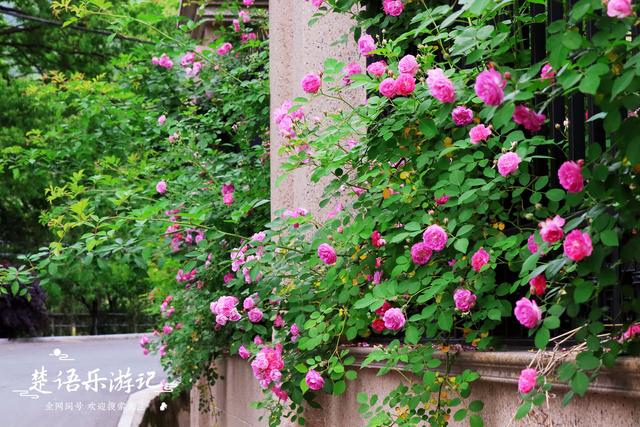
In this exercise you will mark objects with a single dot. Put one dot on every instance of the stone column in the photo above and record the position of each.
(295, 50)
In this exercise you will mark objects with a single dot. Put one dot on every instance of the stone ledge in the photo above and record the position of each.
(504, 367)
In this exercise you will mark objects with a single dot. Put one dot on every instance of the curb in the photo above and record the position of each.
(71, 338)
(137, 405)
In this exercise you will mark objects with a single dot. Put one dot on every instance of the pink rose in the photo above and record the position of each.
(188, 59)
(349, 70)
(631, 332)
(462, 115)
(248, 2)
(527, 380)
(527, 313)
(420, 253)
(441, 200)
(314, 380)
(167, 329)
(377, 68)
(243, 352)
(528, 118)
(366, 44)
(244, 15)
(538, 285)
(162, 119)
(295, 332)
(161, 187)
(547, 72)
(479, 259)
(387, 87)
(392, 7)
(278, 322)
(577, 245)
(255, 315)
(570, 175)
(408, 65)
(405, 84)
(224, 48)
(440, 86)
(531, 244)
(236, 25)
(280, 393)
(490, 87)
(227, 199)
(479, 133)
(508, 163)
(311, 83)
(377, 240)
(464, 299)
(327, 254)
(551, 229)
(248, 303)
(435, 238)
(619, 8)
(394, 319)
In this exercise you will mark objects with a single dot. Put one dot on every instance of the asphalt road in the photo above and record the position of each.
(90, 390)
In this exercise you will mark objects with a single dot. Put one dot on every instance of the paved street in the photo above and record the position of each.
(89, 390)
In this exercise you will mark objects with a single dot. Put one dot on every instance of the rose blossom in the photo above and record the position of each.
(547, 72)
(295, 332)
(224, 48)
(464, 299)
(255, 315)
(392, 7)
(632, 331)
(378, 68)
(528, 118)
(267, 365)
(349, 70)
(243, 352)
(462, 115)
(479, 259)
(380, 311)
(570, 175)
(394, 319)
(490, 87)
(527, 380)
(508, 163)
(527, 313)
(440, 86)
(551, 229)
(377, 240)
(280, 393)
(327, 254)
(236, 25)
(619, 8)
(161, 187)
(441, 200)
(311, 83)
(278, 322)
(377, 325)
(408, 65)
(162, 119)
(387, 87)
(538, 285)
(577, 245)
(366, 44)
(531, 244)
(405, 84)
(435, 238)
(244, 15)
(479, 133)
(420, 253)
(314, 380)
(248, 303)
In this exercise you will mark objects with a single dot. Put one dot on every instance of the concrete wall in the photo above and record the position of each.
(295, 50)
(614, 400)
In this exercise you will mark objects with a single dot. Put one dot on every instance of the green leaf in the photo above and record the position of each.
(476, 421)
(583, 292)
(445, 320)
(339, 387)
(460, 414)
(572, 39)
(555, 195)
(412, 226)
(476, 406)
(494, 314)
(587, 361)
(589, 84)
(552, 322)
(542, 338)
(580, 383)
(411, 335)
(523, 409)
(461, 245)
(621, 83)
(609, 238)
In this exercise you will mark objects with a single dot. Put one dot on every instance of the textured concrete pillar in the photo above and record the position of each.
(295, 50)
